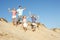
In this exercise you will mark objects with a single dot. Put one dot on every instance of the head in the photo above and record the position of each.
(24, 17)
(32, 15)
(20, 6)
(13, 8)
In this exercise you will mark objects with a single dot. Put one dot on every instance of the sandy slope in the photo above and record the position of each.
(10, 32)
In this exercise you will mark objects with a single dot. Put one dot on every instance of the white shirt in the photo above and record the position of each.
(20, 11)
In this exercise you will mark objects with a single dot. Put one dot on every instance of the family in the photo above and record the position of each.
(22, 19)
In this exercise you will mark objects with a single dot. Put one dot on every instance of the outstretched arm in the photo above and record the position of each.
(9, 10)
(24, 8)
(30, 14)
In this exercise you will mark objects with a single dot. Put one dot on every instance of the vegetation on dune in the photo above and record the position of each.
(3, 19)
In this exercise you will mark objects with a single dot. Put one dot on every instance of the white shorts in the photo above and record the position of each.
(34, 24)
(25, 24)
(13, 16)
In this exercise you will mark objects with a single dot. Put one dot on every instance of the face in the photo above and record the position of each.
(20, 7)
(24, 17)
(13, 8)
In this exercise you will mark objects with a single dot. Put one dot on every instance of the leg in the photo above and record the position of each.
(25, 29)
(14, 21)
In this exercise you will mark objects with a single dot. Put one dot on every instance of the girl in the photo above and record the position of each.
(13, 15)
(24, 23)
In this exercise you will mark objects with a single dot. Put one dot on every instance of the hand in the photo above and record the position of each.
(8, 8)
(24, 8)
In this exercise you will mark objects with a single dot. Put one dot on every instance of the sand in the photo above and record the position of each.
(10, 32)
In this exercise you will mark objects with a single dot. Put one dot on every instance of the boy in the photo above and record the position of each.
(33, 24)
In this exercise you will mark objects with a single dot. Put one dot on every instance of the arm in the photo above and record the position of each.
(9, 10)
(30, 14)
(27, 17)
(24, 8)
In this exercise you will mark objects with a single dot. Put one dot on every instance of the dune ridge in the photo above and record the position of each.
(10, 32)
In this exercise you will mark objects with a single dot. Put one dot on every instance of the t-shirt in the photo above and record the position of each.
(33, 19)
(14, 12)
(20, 11)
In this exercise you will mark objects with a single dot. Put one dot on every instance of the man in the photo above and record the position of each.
(20, 12)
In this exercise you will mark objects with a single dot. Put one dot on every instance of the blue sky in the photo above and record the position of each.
(48, 10)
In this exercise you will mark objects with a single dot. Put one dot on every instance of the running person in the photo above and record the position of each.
(33, 24)
(20, 12)
(13, 15)
(24, 23)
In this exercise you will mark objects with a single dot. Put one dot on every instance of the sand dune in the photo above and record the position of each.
(10, 32)
(56, 30)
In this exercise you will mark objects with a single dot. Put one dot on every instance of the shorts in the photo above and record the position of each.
(34, 24)
(13, 16)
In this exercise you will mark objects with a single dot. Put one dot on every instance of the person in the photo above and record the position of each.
(34, 19)
(13, 15)
(33, 22)
(20, 12)
(25, 23)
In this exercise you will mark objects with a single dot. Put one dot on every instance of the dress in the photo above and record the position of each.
(24, 23)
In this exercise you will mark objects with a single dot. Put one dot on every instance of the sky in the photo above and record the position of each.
(47, 10)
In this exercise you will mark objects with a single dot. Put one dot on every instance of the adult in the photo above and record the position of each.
(20, 12)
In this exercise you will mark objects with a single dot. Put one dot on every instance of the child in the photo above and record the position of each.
(24, 23)
(13, 15)
(33, 22)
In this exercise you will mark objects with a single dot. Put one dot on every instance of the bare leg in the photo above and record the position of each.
(25, 29)
(14, 21)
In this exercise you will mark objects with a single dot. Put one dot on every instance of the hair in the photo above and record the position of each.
(13, 9)
(20, 6)
(24, 16)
